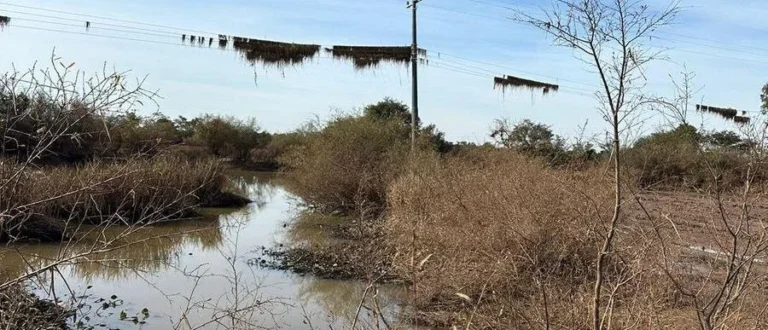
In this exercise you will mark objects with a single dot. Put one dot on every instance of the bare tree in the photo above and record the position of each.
(609, 36)
(675, 109)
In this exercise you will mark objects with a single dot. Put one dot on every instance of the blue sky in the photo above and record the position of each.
(468, 41)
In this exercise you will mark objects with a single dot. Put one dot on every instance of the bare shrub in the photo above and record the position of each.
(20, 310)
(491, 231)
(138, 190)
(349, 163)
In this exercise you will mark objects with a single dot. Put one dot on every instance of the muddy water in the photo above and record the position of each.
(203, 274)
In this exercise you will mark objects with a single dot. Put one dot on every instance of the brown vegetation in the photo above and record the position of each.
(492, 232)
(502, 241)
(515, 82)
(348, 165)
(21, 310)
(46, 203)
(274, 52)
(364, 57)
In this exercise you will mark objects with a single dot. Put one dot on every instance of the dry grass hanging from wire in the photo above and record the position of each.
(365, 57)
(223, 41)
(725, 113)
(4, 20)
(276, 53)
(516, 82)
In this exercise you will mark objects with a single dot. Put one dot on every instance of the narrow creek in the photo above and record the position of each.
(188, 273)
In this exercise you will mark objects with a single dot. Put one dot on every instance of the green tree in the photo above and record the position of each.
(389, 109)
(229, 136)
(527, 137)
(723, 139)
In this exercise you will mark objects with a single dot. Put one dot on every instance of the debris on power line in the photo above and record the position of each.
(725, 113)
(365, 57)
(4, 20)
(223, 41)
(740, 119)
(515, 82)
(269, 52)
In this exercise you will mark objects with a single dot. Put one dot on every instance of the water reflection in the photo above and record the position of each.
(190, 272)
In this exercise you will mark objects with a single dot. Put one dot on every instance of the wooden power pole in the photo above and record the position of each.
(414, 81)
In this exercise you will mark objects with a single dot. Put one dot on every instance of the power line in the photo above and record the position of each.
(455, 64)
(110, 37)
(76, 20)
(102, 17)
(441, 53)
(709, 46)
(508, 19)
(488, 77)
(486, 71)
(96, 27)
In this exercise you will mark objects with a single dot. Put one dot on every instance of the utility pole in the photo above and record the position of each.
(414, 81)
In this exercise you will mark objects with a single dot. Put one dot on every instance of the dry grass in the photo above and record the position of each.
(494, 228)
(495, 240)
(364, 57)
(20, 310)
(515, 82)
(147, 190)
(274, 52)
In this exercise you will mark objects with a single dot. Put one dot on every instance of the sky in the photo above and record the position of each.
(468, 42)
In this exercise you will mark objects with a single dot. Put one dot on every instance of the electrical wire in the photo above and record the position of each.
(96, 27)
(508, 19)
(464, 12)
(106, 18)
(82, 21)
(111, 37)
(485, 71)
(531, 73)
(489, 77)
